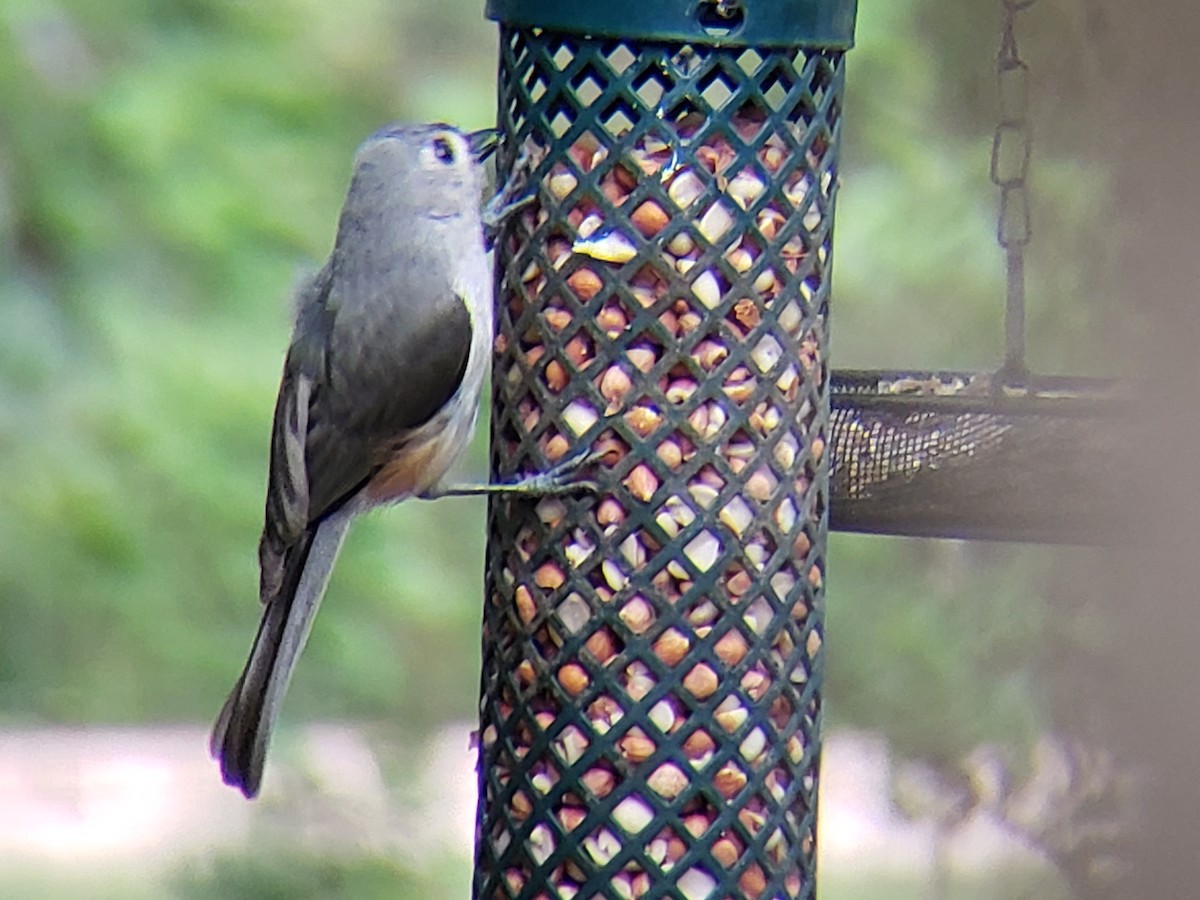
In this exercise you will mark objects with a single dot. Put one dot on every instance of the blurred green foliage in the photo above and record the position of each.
(168, 167)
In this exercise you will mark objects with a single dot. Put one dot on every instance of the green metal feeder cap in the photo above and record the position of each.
(740, 23)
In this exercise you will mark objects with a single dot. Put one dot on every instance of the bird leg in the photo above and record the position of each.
(554, 481)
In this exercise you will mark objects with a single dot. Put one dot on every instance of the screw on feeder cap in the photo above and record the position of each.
(764, 23)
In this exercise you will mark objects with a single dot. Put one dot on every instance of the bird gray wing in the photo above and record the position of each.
(353, 387)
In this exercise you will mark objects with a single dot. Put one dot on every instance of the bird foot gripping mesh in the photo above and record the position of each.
(652, 653)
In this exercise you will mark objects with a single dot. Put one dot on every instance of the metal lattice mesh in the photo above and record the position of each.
(652, 655)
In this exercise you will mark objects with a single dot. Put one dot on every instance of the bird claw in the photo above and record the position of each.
(558, 478)
(513, 196)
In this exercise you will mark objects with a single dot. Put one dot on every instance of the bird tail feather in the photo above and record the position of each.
(243, 728)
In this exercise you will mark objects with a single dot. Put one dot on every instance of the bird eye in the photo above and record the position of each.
(443, 150)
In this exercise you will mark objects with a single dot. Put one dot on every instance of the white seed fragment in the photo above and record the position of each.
(571, 744)
(609, 246)
(576, 552)
(715, 222)
(574, 612)
(633, 814)
(579, 416)
(662, 715)
(753, 746)
(634, 552)
(703, 550)
(790, 317)
(680, 245)
(707, 289)
(696, 884)
(684, 188)
(737, 515)
(785, 515)
(782, 584)
(767, 353)
(613, 576)
(601, 846)
(744, 188)
(758, 615)
(704, 494)
(589, 225)
(562, 183)
(704, 613)
(541, 843)
(667, 523)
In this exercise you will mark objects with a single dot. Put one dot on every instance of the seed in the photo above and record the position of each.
(585, 283)
(649, 219)
(632, 814)
(579, 351)
(599, 781)
(556, 376)
(739, 583)
(731, 647)
(643, 420)
(752, 881)
(562, 183)
(642, 482)
(613, 576)
(680, 390)
(671, 647)
(556, 318)
(526, 608)
(574, 678)
(725, 851)
(707, 289)
(681, 244)
(579, 416)
(610, 512)
(668, 451)
(701, 681)
(549, 575)
(571, 816)
(737, 515)
(696, 884)
(745, 187)
(637, 615)
(761, 485)
(715, 222)
(729, 780)
(601, 847)
(643, 358)
(709, 354)
(541, 843)
(635, 746)
(740, 259)
(698, 746)
(601, 646)
(703, 550)
(668, 781)
(612, 319)
(663, 716)
(614, 385)
(685, 187)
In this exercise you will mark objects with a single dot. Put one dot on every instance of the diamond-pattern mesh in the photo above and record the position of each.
(652, 653)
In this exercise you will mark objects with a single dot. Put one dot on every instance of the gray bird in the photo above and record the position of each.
(379, 395)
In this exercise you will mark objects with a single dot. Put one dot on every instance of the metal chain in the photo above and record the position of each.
(1011, 148)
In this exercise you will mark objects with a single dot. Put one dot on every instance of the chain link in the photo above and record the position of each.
(1012, 147)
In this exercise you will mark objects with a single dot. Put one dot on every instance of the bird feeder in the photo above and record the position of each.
(652, 655)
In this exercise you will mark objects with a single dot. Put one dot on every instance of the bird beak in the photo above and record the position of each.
(483, 143)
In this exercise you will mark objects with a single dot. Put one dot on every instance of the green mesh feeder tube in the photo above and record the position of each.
(650, 709)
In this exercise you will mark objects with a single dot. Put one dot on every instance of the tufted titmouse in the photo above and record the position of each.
(379, 395)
